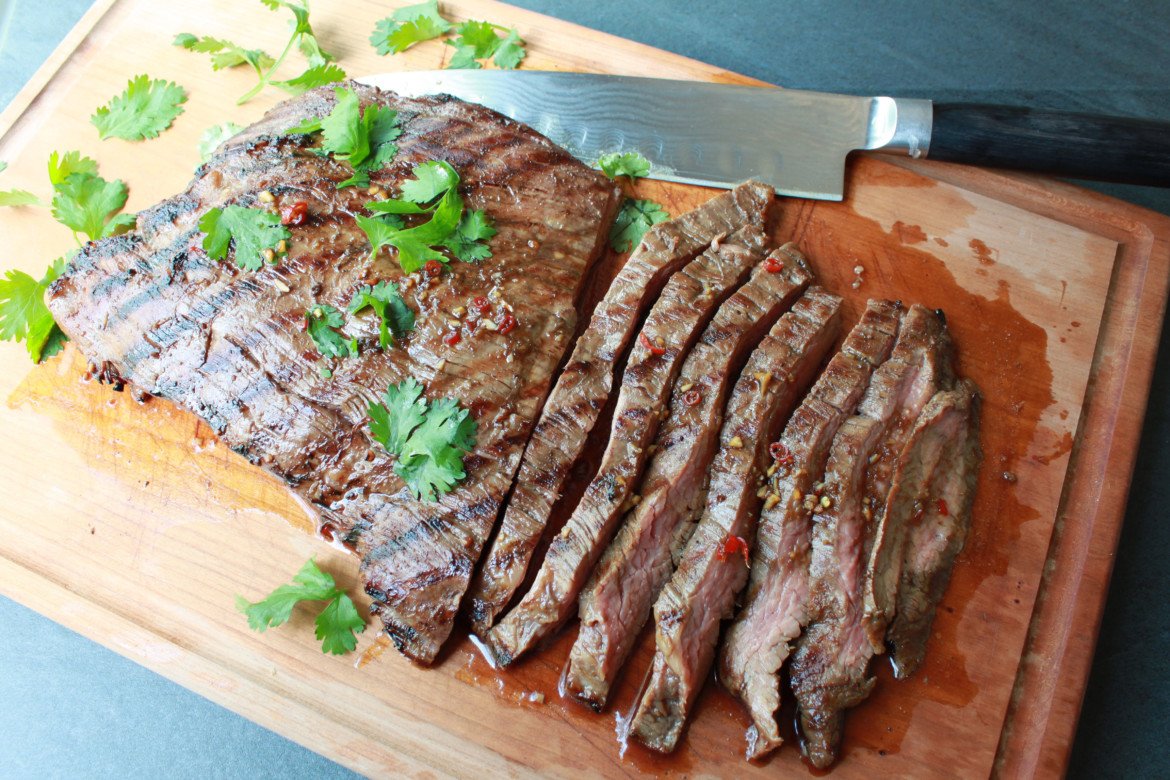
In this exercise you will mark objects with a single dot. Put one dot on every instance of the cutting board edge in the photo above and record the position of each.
(1043, 716)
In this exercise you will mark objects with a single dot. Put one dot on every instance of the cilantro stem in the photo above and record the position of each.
(266, 77)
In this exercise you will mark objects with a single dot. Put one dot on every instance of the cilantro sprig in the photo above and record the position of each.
(483, 40)
(323, 323)
(428, 438)
(407, 26)
(635, 216)
(24, 315)
(321, 68)
(85, 203)
(255, 234)
(473, 40)
(213, 137)
(394, 316)
(146, 108)
(364, 138)
(337, 625)
(434, 191)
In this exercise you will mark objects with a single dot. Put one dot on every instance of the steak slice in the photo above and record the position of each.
(756, 643)
(829, 667)
(616, 602)
(711, 572)
(229, 345)
(933, 543)
(586, 382)
(674, 324)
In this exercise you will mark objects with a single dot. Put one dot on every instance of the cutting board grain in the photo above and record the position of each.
(129, 523)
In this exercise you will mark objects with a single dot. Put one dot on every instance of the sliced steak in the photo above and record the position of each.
(929, 355)
(775, 608)
(616, 602)
(714, 565)
(829, 667)
(938, 528)
(228, 344)
(688, 302)
(586, 382)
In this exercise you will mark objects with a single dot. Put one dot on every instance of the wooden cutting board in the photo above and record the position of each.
(129, 523)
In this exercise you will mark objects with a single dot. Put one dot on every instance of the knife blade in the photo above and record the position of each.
(796, 140)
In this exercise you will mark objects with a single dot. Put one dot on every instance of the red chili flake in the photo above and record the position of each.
(780, 453)
(773, 265)
(481, 304)
(452, 338)
(692, 397)
(507, 323)
(941, 505)
(432, 268)
(649, 345)
(294, 213)
(734, 545)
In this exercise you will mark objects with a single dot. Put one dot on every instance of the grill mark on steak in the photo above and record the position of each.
(676, 321)
(222, 343)
(775, 607)
(829, 668)
(618, 597)
(933, 544)
(585, 383)
(702, 590)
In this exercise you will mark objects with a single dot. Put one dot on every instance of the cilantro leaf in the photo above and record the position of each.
(416, 245)
(87, 203)
(479, 40)
(3, 166)
(144, 110)
(62, 166)
(308, 584)
(395, 316)
(363, 138)
(428, 439)
(250, 230)
(322, 321)
(630, 164)
(408, 26)
(24, 315)
(431, 180)
(633, 220)
(403, 410)
(19, 198)
(466, 242)
(213, 137)
(510, 52)
(317, 76)
(336, 624)
(225, 54)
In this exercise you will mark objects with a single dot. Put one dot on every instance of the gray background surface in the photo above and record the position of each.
(69, 708)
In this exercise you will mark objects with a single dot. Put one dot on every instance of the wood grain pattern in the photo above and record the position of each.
(130, 524)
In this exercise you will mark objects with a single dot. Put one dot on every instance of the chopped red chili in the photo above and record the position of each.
(432, 268)
(481, 304)
(651, 346)
(941, 505)
(294, 213)
(692, 397)
(780, 453)
(452, 338)
(734, 545)
(507, 323)
(773, 265)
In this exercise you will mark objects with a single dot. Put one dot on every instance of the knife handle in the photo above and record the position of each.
(1079, 146)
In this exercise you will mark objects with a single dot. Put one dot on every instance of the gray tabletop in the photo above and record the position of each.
(70, 708)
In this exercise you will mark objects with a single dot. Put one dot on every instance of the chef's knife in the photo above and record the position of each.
(797, 141)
